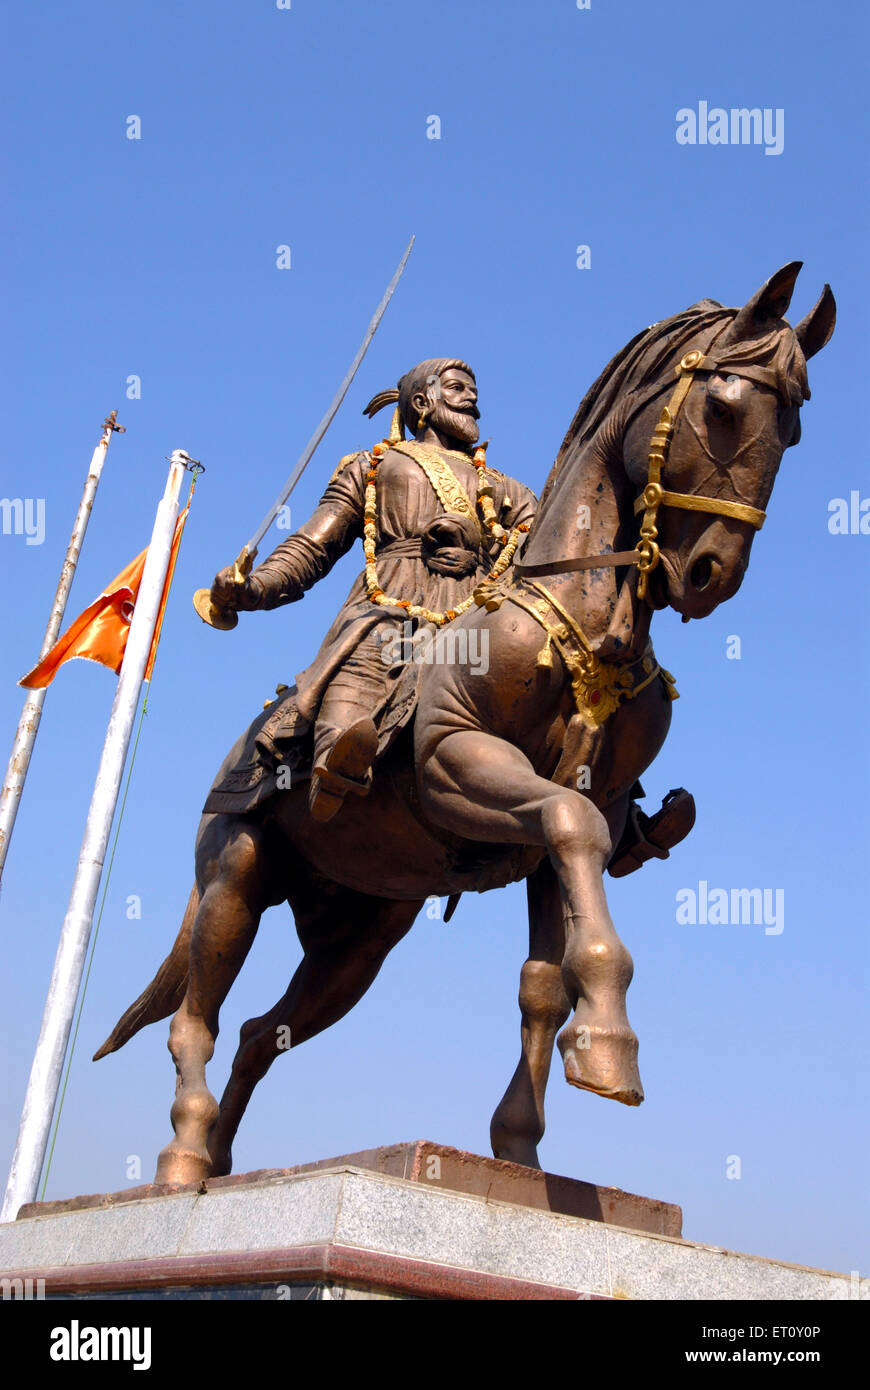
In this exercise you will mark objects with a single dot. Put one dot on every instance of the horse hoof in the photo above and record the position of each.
(175, 1165)
(602, 1060)
(221, 1160)
(513, 1148)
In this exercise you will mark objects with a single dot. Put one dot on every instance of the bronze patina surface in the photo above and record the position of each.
(524, 770)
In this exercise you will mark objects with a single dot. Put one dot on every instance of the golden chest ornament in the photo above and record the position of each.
(599, 687)
(452, 497)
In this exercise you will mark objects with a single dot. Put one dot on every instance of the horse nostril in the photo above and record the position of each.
(701, 573)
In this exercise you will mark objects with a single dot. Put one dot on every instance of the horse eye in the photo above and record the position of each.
(717, 409)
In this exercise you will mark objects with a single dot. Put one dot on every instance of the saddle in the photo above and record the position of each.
(276, 751)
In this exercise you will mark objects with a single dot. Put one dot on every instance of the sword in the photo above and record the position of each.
(223, 618)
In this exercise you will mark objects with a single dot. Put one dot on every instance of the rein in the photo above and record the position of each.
(646, 554)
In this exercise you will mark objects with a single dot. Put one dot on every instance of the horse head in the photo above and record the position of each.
(714, 402)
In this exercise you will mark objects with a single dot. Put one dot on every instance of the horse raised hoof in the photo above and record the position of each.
(603, 1060)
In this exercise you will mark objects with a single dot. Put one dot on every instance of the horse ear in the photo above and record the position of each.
(815, 330)
(766, 306)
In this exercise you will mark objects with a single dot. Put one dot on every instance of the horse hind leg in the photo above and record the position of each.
(346, 942)
(234, 896)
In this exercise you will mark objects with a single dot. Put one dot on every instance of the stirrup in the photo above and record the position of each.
(653, 837)
(346, 769)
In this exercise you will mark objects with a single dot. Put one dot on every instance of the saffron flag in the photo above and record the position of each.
(100, 633)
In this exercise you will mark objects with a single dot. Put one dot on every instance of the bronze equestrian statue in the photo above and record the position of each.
(523, 770)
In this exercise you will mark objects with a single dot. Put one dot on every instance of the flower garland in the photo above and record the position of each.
(508, 540)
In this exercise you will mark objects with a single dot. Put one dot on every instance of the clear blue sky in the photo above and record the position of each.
(156, 257)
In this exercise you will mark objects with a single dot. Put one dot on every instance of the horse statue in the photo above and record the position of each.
(524, 770)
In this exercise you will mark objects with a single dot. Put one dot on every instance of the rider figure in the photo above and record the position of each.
(441, 522)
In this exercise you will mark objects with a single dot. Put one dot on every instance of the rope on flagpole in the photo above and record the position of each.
(195, 469)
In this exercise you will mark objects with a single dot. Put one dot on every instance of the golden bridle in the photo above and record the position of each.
(655, 496)
(646, 554)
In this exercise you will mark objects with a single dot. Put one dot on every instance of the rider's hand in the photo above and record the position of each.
(232, 597)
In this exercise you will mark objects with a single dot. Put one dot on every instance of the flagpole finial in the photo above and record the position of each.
(110, 423)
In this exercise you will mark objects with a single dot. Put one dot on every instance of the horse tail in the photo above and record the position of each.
(166, 991)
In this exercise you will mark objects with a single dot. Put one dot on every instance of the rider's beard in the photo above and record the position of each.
(457, 424)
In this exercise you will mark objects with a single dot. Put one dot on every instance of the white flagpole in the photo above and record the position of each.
(45, 1074)
(28, 724)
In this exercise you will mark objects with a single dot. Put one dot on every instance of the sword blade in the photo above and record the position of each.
(308, 451)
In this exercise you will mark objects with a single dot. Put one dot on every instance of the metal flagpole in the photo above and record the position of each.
(28, 724)
(45, 1074)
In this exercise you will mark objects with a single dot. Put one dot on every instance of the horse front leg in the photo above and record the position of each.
(518, 1124)
(484, 788)
(598, 1045)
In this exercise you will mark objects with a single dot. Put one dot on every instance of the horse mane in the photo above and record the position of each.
(642, 360)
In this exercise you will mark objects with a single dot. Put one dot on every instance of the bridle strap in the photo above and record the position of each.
(694, 502)
(646, 554)
(580, 562)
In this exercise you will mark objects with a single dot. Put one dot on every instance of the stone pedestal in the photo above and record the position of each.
(413, 1220)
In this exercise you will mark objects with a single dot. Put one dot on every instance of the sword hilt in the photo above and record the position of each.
(224, 618)
(243, 565)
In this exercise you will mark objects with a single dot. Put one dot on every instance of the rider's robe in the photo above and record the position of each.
(426, 554)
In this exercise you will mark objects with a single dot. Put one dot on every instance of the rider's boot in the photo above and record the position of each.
(345, 746)
(652, 837)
